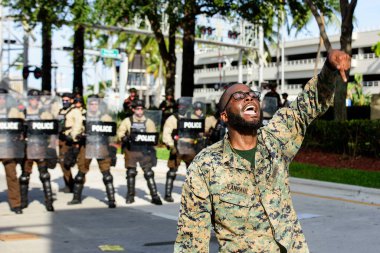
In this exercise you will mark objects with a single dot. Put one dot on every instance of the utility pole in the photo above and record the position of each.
(261, 54)
(283, 52)
(25, 58)
(1, 41)
(123, 77)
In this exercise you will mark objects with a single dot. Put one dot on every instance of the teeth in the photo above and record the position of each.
(251, 107)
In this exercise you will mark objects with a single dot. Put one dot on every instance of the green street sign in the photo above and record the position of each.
(109, 53)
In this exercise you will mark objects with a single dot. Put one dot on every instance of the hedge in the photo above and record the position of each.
(352, 137)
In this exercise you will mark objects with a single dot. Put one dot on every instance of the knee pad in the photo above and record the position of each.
(172, 174)
(131, 172)
(107, 177)
(79, 178)
(148, 173)
(24, 179)
(44, 176)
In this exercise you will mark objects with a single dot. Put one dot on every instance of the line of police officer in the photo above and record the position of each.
(89, 133)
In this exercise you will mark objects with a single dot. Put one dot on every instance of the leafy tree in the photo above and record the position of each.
(355, 92)
(191, 9)
(376, 48)
(50, 14)
(155, 12)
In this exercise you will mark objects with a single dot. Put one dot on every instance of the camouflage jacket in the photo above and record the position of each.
(222, 191)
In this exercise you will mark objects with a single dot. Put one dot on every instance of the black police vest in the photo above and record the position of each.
(137, 127)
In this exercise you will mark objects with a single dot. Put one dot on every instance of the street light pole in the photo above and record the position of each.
(123, 77)
(138, 53)
(25, 58)
(1, 43)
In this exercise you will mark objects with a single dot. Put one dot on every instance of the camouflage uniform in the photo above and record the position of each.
(250, 208)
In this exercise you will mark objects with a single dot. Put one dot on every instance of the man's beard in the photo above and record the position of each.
(241, 125)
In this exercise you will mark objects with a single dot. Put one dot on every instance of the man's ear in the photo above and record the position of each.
(224, 116)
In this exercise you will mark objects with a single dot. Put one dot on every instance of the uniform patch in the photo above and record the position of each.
(237, 188)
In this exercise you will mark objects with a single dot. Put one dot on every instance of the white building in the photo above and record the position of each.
(220, 67)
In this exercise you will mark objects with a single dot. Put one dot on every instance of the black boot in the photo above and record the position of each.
(170, 177)
(131, 181)
(108, 182)
(77, 190)
(45, 179)
(149, 177)
(24, 189)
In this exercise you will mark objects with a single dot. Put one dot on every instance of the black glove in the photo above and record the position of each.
(81, 138)
(173, 150)
(126, 139)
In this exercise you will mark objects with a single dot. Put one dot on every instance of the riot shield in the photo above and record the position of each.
(190, 126)
(12, 143)
(269, 106)
(41, 128)
(100, 129)
(146, 133)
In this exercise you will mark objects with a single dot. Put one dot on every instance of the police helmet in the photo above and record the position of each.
(198, 105)
(137, 103)
(183, 101)
(93, 96)
(67, 95)
(78, 100)
(169, 92)
(34, 92)
(3, 91)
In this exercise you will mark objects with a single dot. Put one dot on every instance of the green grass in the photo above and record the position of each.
(343, 176)
(162, 153)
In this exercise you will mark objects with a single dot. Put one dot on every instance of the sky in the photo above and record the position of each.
(366, 13)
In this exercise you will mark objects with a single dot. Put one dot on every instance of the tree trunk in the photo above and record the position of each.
(78, 59)
(347, 11)
(187, 85)
(167, 54)
(46, 56)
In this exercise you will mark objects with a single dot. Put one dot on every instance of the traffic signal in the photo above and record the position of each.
(37, 72)
(233, 34)
(25, 72)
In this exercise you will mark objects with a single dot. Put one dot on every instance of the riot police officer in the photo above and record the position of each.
(180, 135)
(138, 134)
(71, 129)
(99, 128)
(11, 147)
(168, 106)
(127, 104)
(41, 127)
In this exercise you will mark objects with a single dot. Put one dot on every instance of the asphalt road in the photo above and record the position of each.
(335, 218)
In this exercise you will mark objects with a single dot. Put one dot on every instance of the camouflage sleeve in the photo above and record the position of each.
(289, 125)
(194, 223)
(169, 126)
